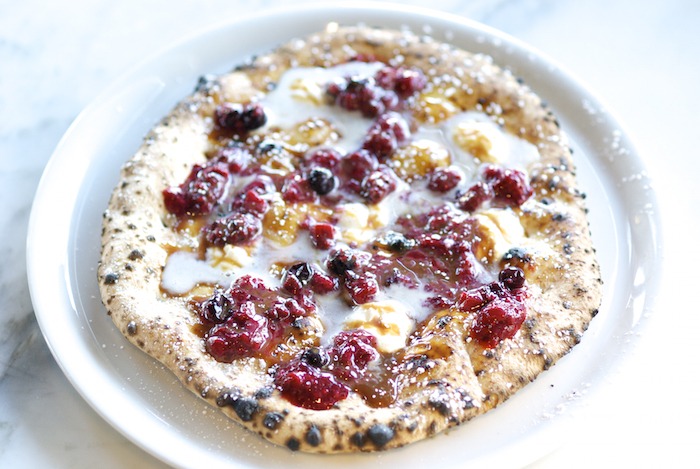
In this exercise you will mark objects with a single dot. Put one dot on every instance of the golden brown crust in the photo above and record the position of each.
(455, 379)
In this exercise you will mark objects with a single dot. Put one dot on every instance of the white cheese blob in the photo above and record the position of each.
(388, 320)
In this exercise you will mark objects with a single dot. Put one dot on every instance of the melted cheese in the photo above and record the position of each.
(388, 320)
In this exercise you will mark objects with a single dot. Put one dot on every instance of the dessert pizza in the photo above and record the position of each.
(353, 242)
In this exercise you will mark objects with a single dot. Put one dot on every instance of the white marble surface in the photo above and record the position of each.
(642, 58)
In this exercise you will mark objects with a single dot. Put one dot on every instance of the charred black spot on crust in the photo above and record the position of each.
(293, 444)
(559, 217)
(129, 267)
(440, 402)
(264, 393)
(380, 434)
(358, 439)
(131, 328)
(432, 428)
(136, 255)
(245, 408)
(151, 238)
(313, 436)
(272, 420)
(111, 278)
(140, 343)
(594, 312)
(568, 248)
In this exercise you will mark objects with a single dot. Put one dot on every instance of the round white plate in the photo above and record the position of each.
(144, 401)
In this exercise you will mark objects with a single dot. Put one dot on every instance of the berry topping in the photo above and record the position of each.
(240, 118)
(478, 194)
(510, 186)
(236, 228)
(352, 352)
(217, 308)
(342, 261)
(377, 185)
(306, 386)
(200, 192)
(322, 235)
(316, 357)
(444, 179)
(497, 321)
(512, 277)
(323, 157)
(242, 335)
(361, 288)
(321, 180)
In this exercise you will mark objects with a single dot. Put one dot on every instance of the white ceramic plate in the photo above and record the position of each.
(144, 401)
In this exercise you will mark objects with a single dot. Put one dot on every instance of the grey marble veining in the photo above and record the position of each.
(55, 57)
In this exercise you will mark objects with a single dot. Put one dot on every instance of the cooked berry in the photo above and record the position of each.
(240, 118)
(380, 434)
(512, 277)
(380, 143)
(342, 261)
(323, 157)
(321, 283)
(321, 180)
(351, 353)
(377, 185)
(200, 192)
(497, 321)
(237, 228)
(359, 164)
(296, 276)
(244, 334)
(510, 186)
(362, 288)
(444, 179)
(322, 235)
(297, 189)
(245, 408)
(308, 387)
(316, 357)
(272, 420)
(477, 195)
(216, 309)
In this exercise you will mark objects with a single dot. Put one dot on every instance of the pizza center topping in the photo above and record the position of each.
(347, 225)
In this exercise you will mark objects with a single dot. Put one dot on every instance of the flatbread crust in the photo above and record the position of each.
(453, 382)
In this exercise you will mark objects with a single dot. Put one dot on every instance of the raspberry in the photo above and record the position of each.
(244, 334)
(444, 179)
(359, 164)
(322, 235)
(201, 191)
(362, 288)
(308, 387)
(498, 321)
(477, 195)
(377, 185)
(510, 186)
(351, 353)
(323, 157)
(236, 228)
